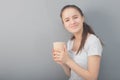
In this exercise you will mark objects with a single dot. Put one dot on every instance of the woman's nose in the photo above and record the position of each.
(72, 21)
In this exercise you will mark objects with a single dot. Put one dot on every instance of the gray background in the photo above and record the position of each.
(28, 28)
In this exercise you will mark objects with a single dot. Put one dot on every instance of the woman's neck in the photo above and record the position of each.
(78, 36)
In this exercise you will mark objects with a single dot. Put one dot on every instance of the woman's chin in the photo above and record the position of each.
(75, 31)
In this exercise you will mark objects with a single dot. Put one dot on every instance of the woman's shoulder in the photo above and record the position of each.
(92, 39)
(93, 36)
(93, 45)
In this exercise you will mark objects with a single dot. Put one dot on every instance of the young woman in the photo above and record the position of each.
(81, 58)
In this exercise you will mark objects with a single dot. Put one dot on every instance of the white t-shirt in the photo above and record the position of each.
(92, 47)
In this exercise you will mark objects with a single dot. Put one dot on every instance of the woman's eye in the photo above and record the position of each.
(66, 20)
(75, 17)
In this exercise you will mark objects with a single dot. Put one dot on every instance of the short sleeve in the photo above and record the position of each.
(94, 46)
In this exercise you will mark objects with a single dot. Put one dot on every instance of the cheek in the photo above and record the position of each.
(66, 25)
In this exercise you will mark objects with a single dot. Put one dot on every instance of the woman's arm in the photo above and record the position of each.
(64, 66)
(91, 73)
(66, 69)
(93, 68)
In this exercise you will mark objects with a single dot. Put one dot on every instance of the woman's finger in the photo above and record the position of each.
(65, 48)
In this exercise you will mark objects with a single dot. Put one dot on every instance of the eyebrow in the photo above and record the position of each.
(66, 18)
(72, 16)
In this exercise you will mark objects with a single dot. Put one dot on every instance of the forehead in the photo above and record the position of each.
(70, 12)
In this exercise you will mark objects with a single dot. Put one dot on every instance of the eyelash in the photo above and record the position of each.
(73, 18)
(66, 20)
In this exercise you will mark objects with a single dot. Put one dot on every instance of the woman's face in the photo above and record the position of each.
(72, 20)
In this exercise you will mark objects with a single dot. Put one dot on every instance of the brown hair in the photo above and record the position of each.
(86, 28)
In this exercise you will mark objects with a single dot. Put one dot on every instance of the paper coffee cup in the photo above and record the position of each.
(58, 45)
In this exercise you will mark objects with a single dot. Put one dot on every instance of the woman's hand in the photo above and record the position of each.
(61, 56)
